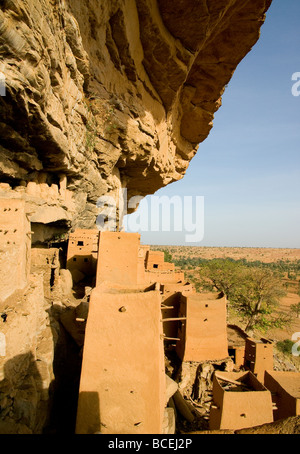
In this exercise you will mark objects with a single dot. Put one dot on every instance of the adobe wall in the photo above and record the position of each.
(285, 387)
(46, 261)
(83, 251)
(165, 277)
(48, 211)
(171, 295)
(154, 260)
(142, 257)
(238, 409)
(118, 258)
(239, 359)
(258, 356)
(15, 243)
(203, 336)
(170, 288)
(122, 386)
(237, 342)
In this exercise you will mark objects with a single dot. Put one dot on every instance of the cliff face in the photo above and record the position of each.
(113, 94)
(99, 95)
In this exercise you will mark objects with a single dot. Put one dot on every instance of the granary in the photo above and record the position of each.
(285, 389)
(202, 334)
(123, 359)
(171, 296)
(123, 355)
(258, 356)
(239, 401)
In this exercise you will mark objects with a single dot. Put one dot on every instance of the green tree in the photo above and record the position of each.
(167, 256)
(285, 346)
(222, 275)
(257, 295)
(254, 292)
(295, 308)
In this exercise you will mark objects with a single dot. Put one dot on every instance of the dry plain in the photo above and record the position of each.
(251, 254)
(266, 255)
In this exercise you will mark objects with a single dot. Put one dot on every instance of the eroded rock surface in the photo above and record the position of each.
(99, 96)
(114, 94)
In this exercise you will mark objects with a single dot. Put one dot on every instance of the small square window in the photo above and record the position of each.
(86, 260)
(155, 266)
(74, 259)
(80, 243)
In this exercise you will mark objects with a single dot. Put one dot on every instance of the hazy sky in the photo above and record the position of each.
(248, 169)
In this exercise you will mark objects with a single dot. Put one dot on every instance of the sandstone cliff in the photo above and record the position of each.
(103, 95)
(99, 95)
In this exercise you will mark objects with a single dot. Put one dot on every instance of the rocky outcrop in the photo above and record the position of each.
(99, 96)
(40, 344)
(26, 359)
(114, 94)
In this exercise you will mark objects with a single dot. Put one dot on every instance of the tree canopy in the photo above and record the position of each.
(254, 292)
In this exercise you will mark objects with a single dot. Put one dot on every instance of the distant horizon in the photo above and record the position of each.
(217, 247)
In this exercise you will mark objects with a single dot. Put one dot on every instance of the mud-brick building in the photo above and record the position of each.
(83, 251)
(258, 356)
(15, 245)
(203, 335)
(123, 355)
(134, 309)
(155, 261)
(122, 389)
(171, 296)
(285, 389)
(239, 400)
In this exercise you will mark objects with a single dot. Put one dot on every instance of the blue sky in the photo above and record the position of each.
(248, 169)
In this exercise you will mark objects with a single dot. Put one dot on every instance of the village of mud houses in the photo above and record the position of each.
(102, 104)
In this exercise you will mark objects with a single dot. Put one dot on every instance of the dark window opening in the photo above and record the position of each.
(155, 266)
(74, 259)
(231, 353)
(52, 277)
(80, 243)
(86, 260)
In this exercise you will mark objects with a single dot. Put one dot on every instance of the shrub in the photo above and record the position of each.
(285, 346)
